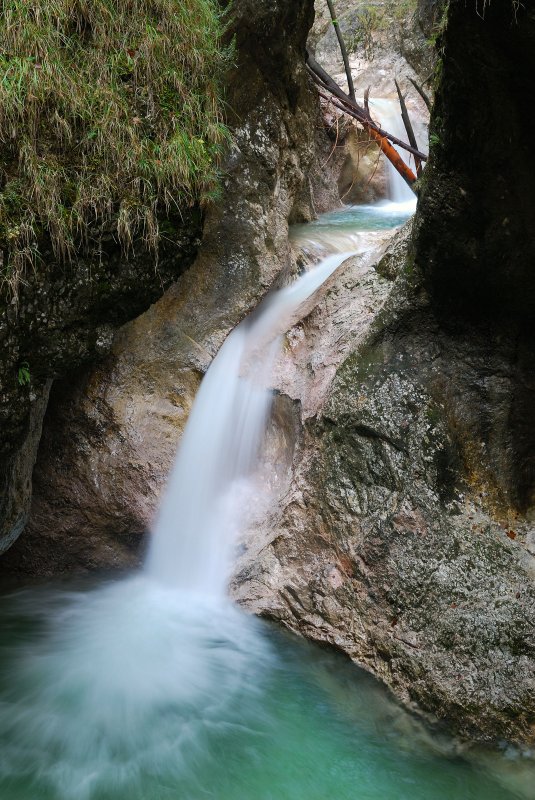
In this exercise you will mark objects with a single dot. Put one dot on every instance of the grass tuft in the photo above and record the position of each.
(110, 111)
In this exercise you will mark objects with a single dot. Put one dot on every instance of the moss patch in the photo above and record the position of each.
(110, 112)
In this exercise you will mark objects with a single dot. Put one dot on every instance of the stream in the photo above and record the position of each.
(156, 687)
(128, 691)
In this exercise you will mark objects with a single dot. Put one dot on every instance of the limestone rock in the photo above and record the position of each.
(384, 545)
(66, 316)
(111, 435)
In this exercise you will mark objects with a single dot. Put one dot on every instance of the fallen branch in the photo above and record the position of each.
(352, 108)
(390, 152)
(429, 78)
(335, 145)
(408, 127)
(348, 104)
(422, 93)
(343, 50)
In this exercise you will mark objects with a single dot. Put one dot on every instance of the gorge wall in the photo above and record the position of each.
(94, 143)
(111, 433)
(402, 432)
(407, 536)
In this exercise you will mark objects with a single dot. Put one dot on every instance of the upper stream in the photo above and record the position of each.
(156, 687)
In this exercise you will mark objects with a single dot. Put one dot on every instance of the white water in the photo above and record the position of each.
(129, 681)
(133, 683)
(387, 113)
(132, 680)
(212, 483)
(363, 228)
(158, 688)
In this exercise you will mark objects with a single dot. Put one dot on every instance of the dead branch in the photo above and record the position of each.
(353, 108)
(343, 49)
(375, 168)
(422, 93)
(390, 152)
(335, 145)
(408, 127)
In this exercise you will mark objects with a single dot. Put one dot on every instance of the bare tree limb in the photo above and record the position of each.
(390, 152)
(429, 78)
(408, 127)
(352, 108)
(335, 145)
(343, 49)
(422, 93)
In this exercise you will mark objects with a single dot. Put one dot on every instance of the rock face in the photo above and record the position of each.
(403, 528)
(64, 317)
(110, 436)
(407, 537)
(474, 240)
(382, 547)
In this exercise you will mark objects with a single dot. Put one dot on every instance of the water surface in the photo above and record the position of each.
(358, 228)
(156, 687)
(135, 692)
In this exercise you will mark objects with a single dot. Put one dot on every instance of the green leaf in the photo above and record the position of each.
(23, 374)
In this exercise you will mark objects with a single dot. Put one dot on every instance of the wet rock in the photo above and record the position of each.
(110, 435)
(474, 242)
(416, 37)
(411, 507)
(65, 316)
(385, 545)
(394, 259)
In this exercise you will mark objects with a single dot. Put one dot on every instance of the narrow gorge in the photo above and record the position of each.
(329, 590)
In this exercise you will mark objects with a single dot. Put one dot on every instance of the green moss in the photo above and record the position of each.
(408, 267)
(110, 111)
(440, 25)
(434, 414)
(23, 374)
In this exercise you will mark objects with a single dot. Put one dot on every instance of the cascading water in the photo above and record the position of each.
(387, 113)
(169, 638)
(212, 481)
(157, 688)
(361, 227)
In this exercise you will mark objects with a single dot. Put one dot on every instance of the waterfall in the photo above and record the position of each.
(133, 679)
(387, 113)
(136, 687)
(212, 482)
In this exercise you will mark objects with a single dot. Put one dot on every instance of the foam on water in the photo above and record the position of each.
(130, 679)
(135, 691)
(363, 228)
(127, 681)
(157, 688)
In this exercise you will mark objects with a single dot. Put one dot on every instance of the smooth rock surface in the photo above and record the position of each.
(111, 435)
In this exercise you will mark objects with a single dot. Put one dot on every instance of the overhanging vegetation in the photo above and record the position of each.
(110, 110)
